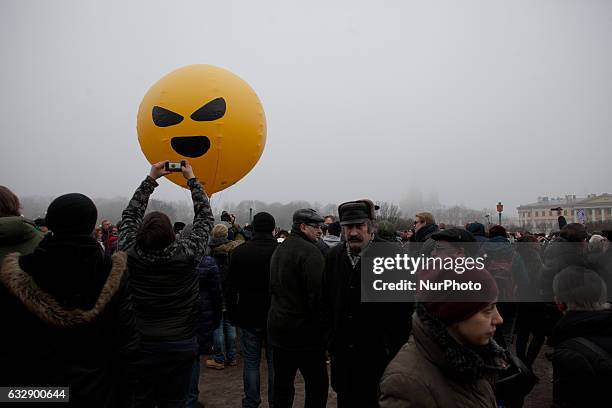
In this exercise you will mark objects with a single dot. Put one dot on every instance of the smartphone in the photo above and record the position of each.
(174, 166)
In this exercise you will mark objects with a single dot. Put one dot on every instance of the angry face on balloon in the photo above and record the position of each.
(207, 115)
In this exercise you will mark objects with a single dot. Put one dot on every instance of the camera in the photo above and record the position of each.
(174, 166)
(225, 216)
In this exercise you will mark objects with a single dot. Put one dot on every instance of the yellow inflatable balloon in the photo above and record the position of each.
(207, 115)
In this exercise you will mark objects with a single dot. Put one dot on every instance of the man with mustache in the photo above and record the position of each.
(363, 337)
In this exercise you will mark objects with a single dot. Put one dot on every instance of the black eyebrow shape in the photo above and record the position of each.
(213, 110)
(163, 117)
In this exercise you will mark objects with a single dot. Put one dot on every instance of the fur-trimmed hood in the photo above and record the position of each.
(457, 361)
(47, 308)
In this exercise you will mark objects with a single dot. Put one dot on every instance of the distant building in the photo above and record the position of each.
(539, 217)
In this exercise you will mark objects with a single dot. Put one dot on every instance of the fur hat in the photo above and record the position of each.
(356, 212)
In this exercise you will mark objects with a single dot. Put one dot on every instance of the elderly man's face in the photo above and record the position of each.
(312, 231)
(106, 225)
(357, 236)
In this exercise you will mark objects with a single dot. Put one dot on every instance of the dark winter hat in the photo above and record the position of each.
(72, 214)
(574, 232)
(356, 212)
(307, 216)
(497, 231)
(334, 228)
(453, 235)
(452, 306)
(476, 228)
(263, 222)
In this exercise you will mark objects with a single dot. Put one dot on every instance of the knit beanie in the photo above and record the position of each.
(497, 231)
(452, 306)
(219, 231)
(263, 222)
(72, 214)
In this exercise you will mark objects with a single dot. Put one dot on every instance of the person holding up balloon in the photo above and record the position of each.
(164, 284)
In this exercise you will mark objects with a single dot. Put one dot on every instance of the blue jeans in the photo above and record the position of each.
(194, 390)
(224, 341)
(251, 341)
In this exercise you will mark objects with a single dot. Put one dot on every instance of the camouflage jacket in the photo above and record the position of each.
(193, 245)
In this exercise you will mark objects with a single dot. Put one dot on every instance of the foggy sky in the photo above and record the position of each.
(480, 101)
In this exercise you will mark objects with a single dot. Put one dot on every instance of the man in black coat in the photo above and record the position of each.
(582, 360)
(294, 320)
(363, 337)
(248, 302)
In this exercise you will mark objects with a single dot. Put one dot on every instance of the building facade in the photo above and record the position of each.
(539, 216)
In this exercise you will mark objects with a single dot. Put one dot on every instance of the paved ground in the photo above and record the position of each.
(223, 388)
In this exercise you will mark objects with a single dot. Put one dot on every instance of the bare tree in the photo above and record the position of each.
(388, 212)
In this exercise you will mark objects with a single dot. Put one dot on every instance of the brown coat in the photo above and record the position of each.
(434, 370)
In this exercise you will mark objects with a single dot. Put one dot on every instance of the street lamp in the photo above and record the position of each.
(500, 209)
(487, 216)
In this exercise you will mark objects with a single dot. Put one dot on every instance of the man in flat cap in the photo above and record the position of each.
(363, 337)
(294, 321)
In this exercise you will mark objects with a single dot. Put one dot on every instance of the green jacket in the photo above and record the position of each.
(17, 234)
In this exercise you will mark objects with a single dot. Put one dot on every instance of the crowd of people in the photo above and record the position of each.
(126, 315)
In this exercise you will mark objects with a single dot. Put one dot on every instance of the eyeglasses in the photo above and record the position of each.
(315, 226)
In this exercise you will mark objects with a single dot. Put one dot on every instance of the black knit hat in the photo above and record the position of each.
(72, 214)
(263, 222)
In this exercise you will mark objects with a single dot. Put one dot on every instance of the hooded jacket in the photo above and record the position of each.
(221, 249)
(331, 240)
(165, 282)
(17, 234)
(68, 321)
(581, 377)
(434, 370)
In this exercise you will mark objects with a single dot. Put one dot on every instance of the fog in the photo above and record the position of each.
(473, 101)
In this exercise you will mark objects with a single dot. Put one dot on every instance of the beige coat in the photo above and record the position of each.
(434, 370)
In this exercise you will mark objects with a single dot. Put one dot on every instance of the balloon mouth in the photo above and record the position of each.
(190, 146)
